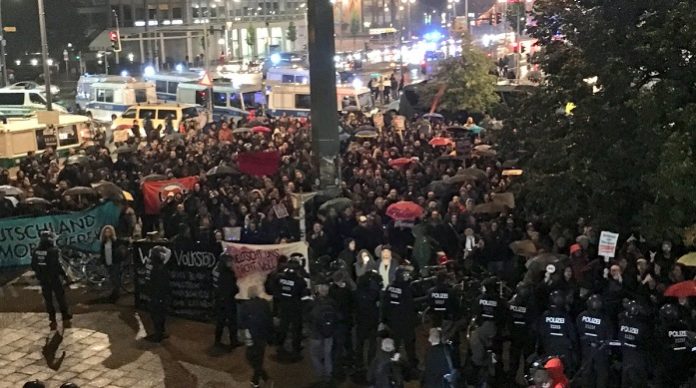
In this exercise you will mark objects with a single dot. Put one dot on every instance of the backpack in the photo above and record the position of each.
(327, 320)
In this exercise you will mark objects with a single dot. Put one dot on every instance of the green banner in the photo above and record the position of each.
(19, 236)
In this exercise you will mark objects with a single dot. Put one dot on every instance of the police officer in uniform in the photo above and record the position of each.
(557, 336)
(45, 261)
(159, 291)
(443, 303)
(291, 291)
(674, 356)
(594, 332)
(225, 284)
(634, 335)
(489, 319)
(400, 313)
(520, 327)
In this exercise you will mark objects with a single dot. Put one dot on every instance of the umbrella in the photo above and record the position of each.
(507, 199)
(127, 196)
(433, 116)
(459, 179)
(682, 289)
(174, 137)
(483, 147)
(77, 159)
(456, 129)
(337, 203)
(241, 130)
(525, 248)
(486, 153)
(261, 129)
(404, 211)
(108, 190)
(11, 190)
(366, 128)
(438, 187)
(80, 190)
(489, 208)
(540, 262)
(688, 260)
(472, 174)
(400, 162)
(512, 172)
(366, 134)
(153, 177)
(124, 149)
(222, 170)
(37, 201)
(475, 129)
(440, 141)
(351, 108)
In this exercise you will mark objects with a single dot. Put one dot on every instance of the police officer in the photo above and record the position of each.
(367, 304)
(634, 335)
(557, 336)
(594, 332)
(45, 261)
(400, 313)
(291, 290)
(674, 356)
(485, 340)
(520, 326)
(159, 291)
(443, 303)
(225, 284)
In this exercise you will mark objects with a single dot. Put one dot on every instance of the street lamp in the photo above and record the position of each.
(44, 55)
(3, 62)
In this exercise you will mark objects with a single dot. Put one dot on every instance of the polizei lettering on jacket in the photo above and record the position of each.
(629, 329)
(557, 320)
(440, 295)
(676, 333)
(592, 320)
(489, 303)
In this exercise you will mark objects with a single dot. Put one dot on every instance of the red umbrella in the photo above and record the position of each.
(440, 141)
(682, 289)
(404, 211)
(400, 162)
(261, 129)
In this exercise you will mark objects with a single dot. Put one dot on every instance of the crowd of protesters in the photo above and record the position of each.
(368, 256)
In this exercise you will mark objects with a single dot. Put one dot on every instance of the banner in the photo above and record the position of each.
(192, 269)
(155, 192)
(252, 263)
(19, 236)
(259, 163)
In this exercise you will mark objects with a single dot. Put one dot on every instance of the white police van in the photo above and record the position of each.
(295, 100)
(84, 86)
(113, 97)
(166, 84)
(228, 101)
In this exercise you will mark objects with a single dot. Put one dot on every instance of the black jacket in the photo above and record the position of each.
(225, 284)
(436, 367)
(45, 261)
(255, 315)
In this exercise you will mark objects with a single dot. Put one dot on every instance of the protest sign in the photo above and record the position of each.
(607, 244)
(19, 236)
(156, 192)
(252, 263)
(192, 269)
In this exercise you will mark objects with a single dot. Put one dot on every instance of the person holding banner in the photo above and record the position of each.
(45, 261)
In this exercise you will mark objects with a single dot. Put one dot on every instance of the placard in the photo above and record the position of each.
(607, 244)
(399, 123)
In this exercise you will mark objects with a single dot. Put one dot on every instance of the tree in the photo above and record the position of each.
(514, 12)
(251, 39)
(468, 84)
(625, 157)
(291, 33)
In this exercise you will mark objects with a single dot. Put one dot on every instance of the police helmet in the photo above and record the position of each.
(557, 299)
(632, 308)
(34, 384)
(373, 277)
(403, 274)
(523, 290)
(295, 262)
(69, 385)
(160, 253)
(489, 284)
(669, 312)
(594, 302)
(336, 265)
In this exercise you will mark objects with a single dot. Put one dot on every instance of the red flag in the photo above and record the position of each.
(155, 192)
(259, 163)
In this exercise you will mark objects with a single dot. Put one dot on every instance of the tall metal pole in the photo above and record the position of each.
(519, 47)
(44, 56)
(3, 60)
(322, 76)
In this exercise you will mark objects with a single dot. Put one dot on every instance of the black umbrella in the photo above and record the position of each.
(80, 190)
(222, 170)
(11, 190)
(108, 190)
(124, 149)
(153, 177)
(77, 159)
(37, 201)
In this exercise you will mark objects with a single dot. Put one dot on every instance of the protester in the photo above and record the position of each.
(257, 321)
(159, 292)
(114, 253)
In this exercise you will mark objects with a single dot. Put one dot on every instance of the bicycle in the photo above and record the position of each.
(86, 267)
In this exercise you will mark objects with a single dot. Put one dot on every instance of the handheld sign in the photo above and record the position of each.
(607, 244)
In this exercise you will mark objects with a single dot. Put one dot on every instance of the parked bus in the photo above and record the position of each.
(114, 97)
(295, 99)
(18, 137)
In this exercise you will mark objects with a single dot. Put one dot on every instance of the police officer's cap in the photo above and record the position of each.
(46, 235)
(669, 312)
(632, 308)
(403, 274)
(489, 283)
(594, 302)
(556, 298)
(34, 384)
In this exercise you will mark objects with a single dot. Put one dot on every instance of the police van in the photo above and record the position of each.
(158, 114)
(227, 100)
(294, 99)
(31, 100)
(287, 75)
(113, 97)
(166, 84)
(84, 86)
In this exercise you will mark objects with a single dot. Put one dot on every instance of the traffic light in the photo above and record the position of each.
(498, 17)
(115, 39)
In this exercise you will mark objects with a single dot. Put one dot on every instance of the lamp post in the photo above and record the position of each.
(3, 62)
(44, 55)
